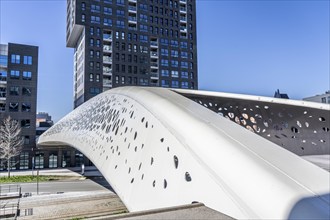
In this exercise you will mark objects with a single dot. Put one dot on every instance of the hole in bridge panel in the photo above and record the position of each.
(165, 183)
(154, 183)
(321, 119)
(140, 166)
(162, 140)
(294, 130)
(187, 177)
(325, 129)
(299, 124)
(132, 180)
(142, 120)
(176, 161)
(151, 160)
(135, 135)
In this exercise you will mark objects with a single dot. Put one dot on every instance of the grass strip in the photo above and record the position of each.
(30, 178)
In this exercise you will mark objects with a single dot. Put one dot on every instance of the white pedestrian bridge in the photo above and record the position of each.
(160, 148)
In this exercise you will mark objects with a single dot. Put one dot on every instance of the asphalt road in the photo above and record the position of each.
(66, 186)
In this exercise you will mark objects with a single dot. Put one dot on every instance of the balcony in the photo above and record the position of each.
(154, 75)
(153, 54)
(107, 37)
(183, 19)
(107, 48)
(132, 19)
(107, 83)
(3, 80)
(154, 65)
(183, 29)
(153, 44)
(107, 59)
(132, 8)
(107, 71)
(183, 9)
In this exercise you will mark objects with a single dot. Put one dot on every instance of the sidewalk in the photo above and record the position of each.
(90, 171)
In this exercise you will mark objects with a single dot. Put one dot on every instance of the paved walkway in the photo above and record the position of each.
(90, 171)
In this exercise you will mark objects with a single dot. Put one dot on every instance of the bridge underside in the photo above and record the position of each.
(158, 149)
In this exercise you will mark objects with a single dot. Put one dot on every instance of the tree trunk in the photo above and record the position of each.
(8, 167)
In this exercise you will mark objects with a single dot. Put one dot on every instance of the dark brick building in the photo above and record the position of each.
(18, 94)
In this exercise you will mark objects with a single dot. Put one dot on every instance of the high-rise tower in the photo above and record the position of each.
(131, 42)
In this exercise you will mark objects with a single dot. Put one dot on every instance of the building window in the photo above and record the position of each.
(26, 107)
(175, 74)
(123, 80)
(15, 58)
(27, 60)
(14, 74)
(164, 52)
(120, 2)
(95, 8)
(143, 28)
(165, 73)
(13, 106)
(3, 60)
(91, 53)
(52, 160)
(164, 62)
(26, 140)
(165, 83)
(174, 63)
(175, 84)
(174, 43)
(184, 45)
(24, 159)
(184, 54)
(107, 11)
(120, 13)
(25, 123)
(94, 91)
(3, 92)
(143, 82)
(143, 38)
(184, 75)
(95, 19)
(2, 107)
(97, 54)
(143, 18)
(174, 53)
(39, 160)
(120, 24)
(26, 91)
(97, 77)
(91, 77)
(184, 85)
(83, 18)
(184, 65)
(14, 90)
(98, 43)
(107, 22)
(27, 75)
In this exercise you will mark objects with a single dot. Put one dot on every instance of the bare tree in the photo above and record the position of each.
(11, 141)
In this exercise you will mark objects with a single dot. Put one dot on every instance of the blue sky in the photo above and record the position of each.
(249, 47)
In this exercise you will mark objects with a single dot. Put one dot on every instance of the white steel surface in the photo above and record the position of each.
(158, 149)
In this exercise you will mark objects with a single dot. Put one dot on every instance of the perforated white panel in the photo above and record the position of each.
(159, 149)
